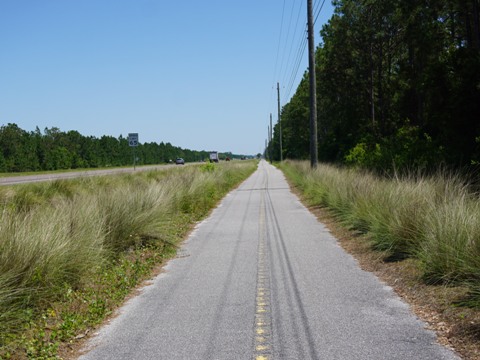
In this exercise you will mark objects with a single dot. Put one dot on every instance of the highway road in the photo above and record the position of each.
(261, 278)
(23, 179)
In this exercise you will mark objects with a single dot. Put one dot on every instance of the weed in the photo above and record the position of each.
(208, 167)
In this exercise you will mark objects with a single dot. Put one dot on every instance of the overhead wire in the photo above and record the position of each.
(294, 74)
(302, 40)
(278, 53)
(296, 67)
(315, 6)
(318, 12)
(286, 40)
(291, 59)
(294, 39)
(289, 78)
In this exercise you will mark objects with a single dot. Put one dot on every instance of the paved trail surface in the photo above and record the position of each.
(261, 278)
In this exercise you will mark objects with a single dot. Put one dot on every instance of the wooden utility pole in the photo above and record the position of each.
(270, 135)
(279, 123)
(313, 89)
(268, 144)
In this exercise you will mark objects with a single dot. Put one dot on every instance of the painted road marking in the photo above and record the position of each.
(263, 318)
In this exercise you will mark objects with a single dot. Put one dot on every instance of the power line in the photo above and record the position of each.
(313, 91)
(294, 37)
(286, 45)
(277, 56)
(318, 13)
(300, 54)
(286, 40)
(288, 71)
(298, 59)
(296, 67)
(279, 41)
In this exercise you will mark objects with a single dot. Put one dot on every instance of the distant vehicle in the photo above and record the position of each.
(180, 161)
(213, 156)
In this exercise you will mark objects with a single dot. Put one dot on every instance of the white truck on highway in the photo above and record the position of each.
(214, 156)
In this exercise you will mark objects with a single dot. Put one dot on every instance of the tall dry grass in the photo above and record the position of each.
(55, 235)
(435, 219)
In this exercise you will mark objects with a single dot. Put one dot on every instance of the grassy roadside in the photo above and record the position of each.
(420, 235)
(72, 250)
(54, 172)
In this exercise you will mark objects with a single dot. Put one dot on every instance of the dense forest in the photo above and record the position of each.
(398, 85)
(54, 150)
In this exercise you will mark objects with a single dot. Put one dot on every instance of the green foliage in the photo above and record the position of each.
(208, 167)
(408, 148)
(476, 157)
(362, 155)
(53, 149)
(397, 87)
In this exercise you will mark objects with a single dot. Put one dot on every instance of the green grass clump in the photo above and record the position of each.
(435, 219)
(208, 167)
(71, 250)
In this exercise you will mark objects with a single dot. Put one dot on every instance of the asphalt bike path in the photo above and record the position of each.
(262, 279)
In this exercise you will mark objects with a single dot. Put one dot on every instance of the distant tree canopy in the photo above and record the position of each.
(398, 84)
(54, 150)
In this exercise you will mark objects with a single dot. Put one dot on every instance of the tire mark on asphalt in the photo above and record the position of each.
(235, 259)
(162, 307)
(263, 344)
(300, 325)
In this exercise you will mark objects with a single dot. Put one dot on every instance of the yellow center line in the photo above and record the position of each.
(262, 328)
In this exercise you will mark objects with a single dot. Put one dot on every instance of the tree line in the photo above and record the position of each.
(398, 85)
(53, 149)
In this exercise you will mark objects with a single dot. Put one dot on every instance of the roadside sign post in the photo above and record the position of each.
(133, 142)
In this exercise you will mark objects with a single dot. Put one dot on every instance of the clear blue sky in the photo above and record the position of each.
(198, 74)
